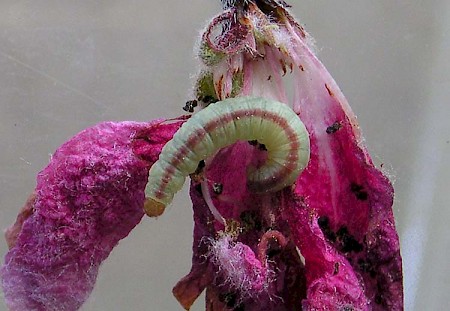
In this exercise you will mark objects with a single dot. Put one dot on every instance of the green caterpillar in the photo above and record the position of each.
(221, 124)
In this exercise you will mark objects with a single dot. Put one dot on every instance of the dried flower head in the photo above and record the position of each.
(324, 240)
(338, 215)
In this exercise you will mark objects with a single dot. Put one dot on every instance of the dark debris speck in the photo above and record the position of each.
(190, 105)
(347, 241)
(217, 188)
(336, 126)
(359, 191)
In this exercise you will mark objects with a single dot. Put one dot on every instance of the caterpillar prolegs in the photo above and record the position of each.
(221, 124)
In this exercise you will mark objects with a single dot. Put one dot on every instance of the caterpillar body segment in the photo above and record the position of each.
(221, 124)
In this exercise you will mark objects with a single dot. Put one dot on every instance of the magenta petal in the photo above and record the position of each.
(240, 267)
(88, 198)
(332, 282)
(259, 269)
(351, 197)
(339, 212)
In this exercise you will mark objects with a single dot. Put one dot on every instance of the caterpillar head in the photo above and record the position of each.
(153, 208)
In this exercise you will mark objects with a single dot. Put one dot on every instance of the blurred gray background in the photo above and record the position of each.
(66, 65)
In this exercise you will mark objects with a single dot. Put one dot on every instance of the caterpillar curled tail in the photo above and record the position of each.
(269, 122)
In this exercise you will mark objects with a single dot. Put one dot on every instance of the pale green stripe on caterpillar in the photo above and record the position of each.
(221, 124)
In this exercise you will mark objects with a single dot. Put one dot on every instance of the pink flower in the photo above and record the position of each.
(88, 198)
(338, 215)
(326, 242)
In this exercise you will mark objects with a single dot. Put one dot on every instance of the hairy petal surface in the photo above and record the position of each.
(87, 199)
